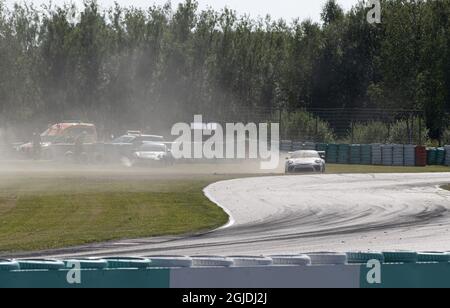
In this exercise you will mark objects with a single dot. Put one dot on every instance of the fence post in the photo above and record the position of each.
(280, 110)
(316, 137)
(408, 128)
(353, 131)
(420, 130)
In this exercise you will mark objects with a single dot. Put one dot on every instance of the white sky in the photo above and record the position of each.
(287, 9)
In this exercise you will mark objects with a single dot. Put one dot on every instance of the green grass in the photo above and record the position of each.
(334, 168)
(45, 213)
(53, 209)
(447, 187)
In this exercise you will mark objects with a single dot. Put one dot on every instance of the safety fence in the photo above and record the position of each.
(374, 154)
(356, 125)
(340, 270)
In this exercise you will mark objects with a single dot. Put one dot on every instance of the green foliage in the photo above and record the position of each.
(401, 132)
(446, 136)
(303, 126)
(366, 133)
(126, 68)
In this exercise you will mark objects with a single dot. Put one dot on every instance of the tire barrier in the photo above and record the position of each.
(440, 257)
(447, 155)
(364, 257)
(400, 257)
(355, 154)
(343, 154)
(431, 156)
(127, 262)
(387, 151)
(9, 265)
(170, 261)
(440, 156)
(410, 155)
(297, 146)
(309, 146)
(322, 147)
(87, 263)
(293, 260)
(332, 153)
(211, 261)
(377, 155)
(303, 146)
(366, 154)
(398, 155)
(374, 154)
(327, 258)
(400, 269)
(40, 264)
(421, 156)
(249, 261)
(285, 146)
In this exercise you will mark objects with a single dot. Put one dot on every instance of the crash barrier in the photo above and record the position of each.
(421, 156)
(387, 151)
(318, 269)
(410, 155)
(375, 154)
(447, 155)
(355, 154)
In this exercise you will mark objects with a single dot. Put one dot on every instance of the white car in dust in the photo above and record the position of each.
(151, 153)
(305, 162)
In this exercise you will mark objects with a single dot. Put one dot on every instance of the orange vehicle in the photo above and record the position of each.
(61, 133)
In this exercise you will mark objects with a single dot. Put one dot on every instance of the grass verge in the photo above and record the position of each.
(46, 213)
(54, 209)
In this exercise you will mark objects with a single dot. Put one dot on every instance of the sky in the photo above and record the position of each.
(287, 9)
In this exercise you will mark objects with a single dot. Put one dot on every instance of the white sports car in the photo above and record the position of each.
(151, 153)
(305, 161)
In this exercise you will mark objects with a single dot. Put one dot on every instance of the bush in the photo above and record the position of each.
(304, 126)
(446, 136)
(399, 132)
(379, 132)
(372, 132)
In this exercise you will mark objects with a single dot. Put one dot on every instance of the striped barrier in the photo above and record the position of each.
(375, 154)
(395, 269)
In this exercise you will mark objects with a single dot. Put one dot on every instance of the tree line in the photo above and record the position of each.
(126, 67)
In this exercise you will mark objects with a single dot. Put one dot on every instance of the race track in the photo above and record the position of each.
(294, 214)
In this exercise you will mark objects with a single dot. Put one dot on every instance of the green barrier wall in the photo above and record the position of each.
(155, 278)
(419, 275)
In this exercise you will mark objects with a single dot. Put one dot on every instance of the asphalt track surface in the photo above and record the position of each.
(306, 213)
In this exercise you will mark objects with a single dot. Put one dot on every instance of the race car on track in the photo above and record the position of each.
(304, 162)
